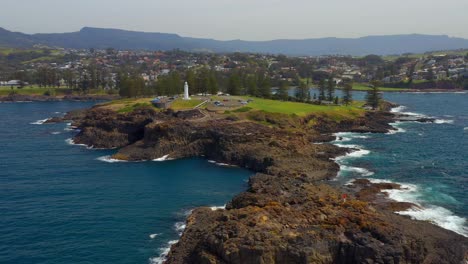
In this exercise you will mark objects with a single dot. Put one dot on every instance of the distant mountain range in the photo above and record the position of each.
(132, 40)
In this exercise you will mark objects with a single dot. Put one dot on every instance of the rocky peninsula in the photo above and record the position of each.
(291, 212)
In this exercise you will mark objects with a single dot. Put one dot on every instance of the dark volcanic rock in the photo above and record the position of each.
(288, 214)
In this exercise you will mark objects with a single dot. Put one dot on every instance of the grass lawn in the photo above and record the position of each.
(303, 109)
(36, 90)
(365, 87)
(32, 90)
(127, 104)
(180, 104)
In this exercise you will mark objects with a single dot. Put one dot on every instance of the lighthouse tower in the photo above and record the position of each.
(186, 93)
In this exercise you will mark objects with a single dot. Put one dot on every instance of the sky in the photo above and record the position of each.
(242, 19)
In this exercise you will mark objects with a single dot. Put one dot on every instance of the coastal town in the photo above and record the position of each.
(137, 73)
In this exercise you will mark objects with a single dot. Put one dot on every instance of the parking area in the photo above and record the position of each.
(222, 103)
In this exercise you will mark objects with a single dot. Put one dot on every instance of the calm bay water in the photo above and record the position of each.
(59, 204)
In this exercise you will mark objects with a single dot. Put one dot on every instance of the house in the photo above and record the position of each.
(14, 83)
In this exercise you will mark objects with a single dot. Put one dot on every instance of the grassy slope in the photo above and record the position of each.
(31, 90)
(303, 109)
(36, 90)
(365, 87)
(258, 104)
(129, 104)
(180, 104)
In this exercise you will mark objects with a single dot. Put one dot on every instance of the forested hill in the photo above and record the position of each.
(123, 39)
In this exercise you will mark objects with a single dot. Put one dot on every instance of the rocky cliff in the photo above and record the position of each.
(290, 212)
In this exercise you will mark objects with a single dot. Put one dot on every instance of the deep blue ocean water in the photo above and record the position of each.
(59, 204)
(431, 160)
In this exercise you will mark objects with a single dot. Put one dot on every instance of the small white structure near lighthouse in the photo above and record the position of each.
(186, 93)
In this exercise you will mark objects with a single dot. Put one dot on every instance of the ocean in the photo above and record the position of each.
(430, 160)
(61, 203)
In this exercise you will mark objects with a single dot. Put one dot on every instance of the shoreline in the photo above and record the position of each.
(280, 174)
(17, 98)
(400, 197)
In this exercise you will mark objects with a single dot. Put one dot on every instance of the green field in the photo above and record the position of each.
(303, 109)
(180, 104)
(365, 87)
(32, 90)
(36, 90)
(421, 55)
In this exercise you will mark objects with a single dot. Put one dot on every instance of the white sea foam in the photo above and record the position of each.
(71, 142)
(397, 129)
(398, 109)
(55, 133)
(153, 236)
(180, 227)
(163, 158)
(109, 159)
(221, 164)
(361, 171)
(164, 252)
(39, 122)
(443, 121)
(215, 208)
(357, 153)
(435, 214)
(348, 136)
(69, 127)
(439, 216)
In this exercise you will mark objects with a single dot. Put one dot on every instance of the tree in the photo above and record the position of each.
(321, 90)
(234, 84)
(265, 88)
(283, 91)
(301, 92)
(330, 88)
(213, 83)
(373, 96)
(348, 94)
(192, 81)
(252, 88)
(69, 78)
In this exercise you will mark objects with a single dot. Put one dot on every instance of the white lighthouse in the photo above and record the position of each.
(186, 94)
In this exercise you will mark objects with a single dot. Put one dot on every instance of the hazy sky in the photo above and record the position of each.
(242, 19)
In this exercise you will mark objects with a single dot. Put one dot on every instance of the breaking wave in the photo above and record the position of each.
(361, 171)
(443, 121)
(109, 159)
(215, 208)
(163, 158)
(40, 121)
(164, 252)
(425, 212)
(71, 142)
